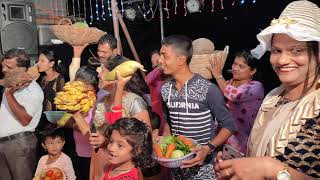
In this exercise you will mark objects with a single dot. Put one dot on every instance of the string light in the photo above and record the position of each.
(221, 4)
(91, 13)
(242, 2)
(167, 9)
(85, 10)
(122, 10)
(103, 13)
(175, 6)
(97, 10)
(109, 7)
(254, 1)
(185, 8)
(212, 5)
(79, 9)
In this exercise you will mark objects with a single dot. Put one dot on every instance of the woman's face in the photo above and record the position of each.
(241, 70)
(44, 64)
(289, 59)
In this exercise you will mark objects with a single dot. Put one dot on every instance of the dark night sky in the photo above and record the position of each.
(235, 26)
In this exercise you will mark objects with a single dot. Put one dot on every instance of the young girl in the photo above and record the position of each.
(52, 142)
(129, 148)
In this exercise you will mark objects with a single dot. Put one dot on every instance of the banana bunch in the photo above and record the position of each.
(125, 69)
(74, 97)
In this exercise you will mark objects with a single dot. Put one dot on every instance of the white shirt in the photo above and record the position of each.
(31, 98)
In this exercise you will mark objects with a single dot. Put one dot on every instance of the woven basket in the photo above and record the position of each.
(173, 163)
(200, 64)
(76, 36)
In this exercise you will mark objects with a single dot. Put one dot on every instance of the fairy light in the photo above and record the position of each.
(185, 7)
(212, 5)
(85, 10)
(97, 10)
(242, 2)
(91, 12)
(79, 8)
(221, 1)
(168, 15)
(175, 6)
(103, 13)
(109, 7)
(254, 1)
(122, 9)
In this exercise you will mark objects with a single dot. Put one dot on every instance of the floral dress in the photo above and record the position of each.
(243, 102)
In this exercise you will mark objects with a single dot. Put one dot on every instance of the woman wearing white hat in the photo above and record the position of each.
(284, 142)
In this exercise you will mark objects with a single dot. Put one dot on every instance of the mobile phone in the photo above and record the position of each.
(229, 152)
(93, 128)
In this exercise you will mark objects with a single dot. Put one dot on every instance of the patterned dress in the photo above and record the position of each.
(243, 102)
(303, 152)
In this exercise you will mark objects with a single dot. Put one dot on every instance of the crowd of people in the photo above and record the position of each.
(277, 135)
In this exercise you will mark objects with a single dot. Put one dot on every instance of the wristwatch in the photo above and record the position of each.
(284, 174)
(211, 146)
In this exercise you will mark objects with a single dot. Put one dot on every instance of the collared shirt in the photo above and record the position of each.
(31, 98)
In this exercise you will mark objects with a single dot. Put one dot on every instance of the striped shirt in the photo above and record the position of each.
(193, 109)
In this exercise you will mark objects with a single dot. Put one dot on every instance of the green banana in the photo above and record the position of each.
(125, 69)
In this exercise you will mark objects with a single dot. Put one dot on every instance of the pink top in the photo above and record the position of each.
(63, 162)
(133, 174)
(243, 102)
(83, 147)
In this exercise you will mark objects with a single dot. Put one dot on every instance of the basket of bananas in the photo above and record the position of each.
(74, 97)
(76, 34)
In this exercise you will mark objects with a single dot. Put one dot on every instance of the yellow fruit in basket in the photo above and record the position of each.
(80, 24)
(74, 97)
(125, 69)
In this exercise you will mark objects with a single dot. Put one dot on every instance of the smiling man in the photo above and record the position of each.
(193, 103)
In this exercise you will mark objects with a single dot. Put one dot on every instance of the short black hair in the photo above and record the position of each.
(53, 132)
(252, 62)
(182, 45)
(20, 55)
(138, 136)
(88, 75)
(108, 39)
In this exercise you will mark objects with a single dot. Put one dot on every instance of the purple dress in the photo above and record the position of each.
(243, 102)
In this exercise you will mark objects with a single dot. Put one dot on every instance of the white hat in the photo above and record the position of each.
(299, 20)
